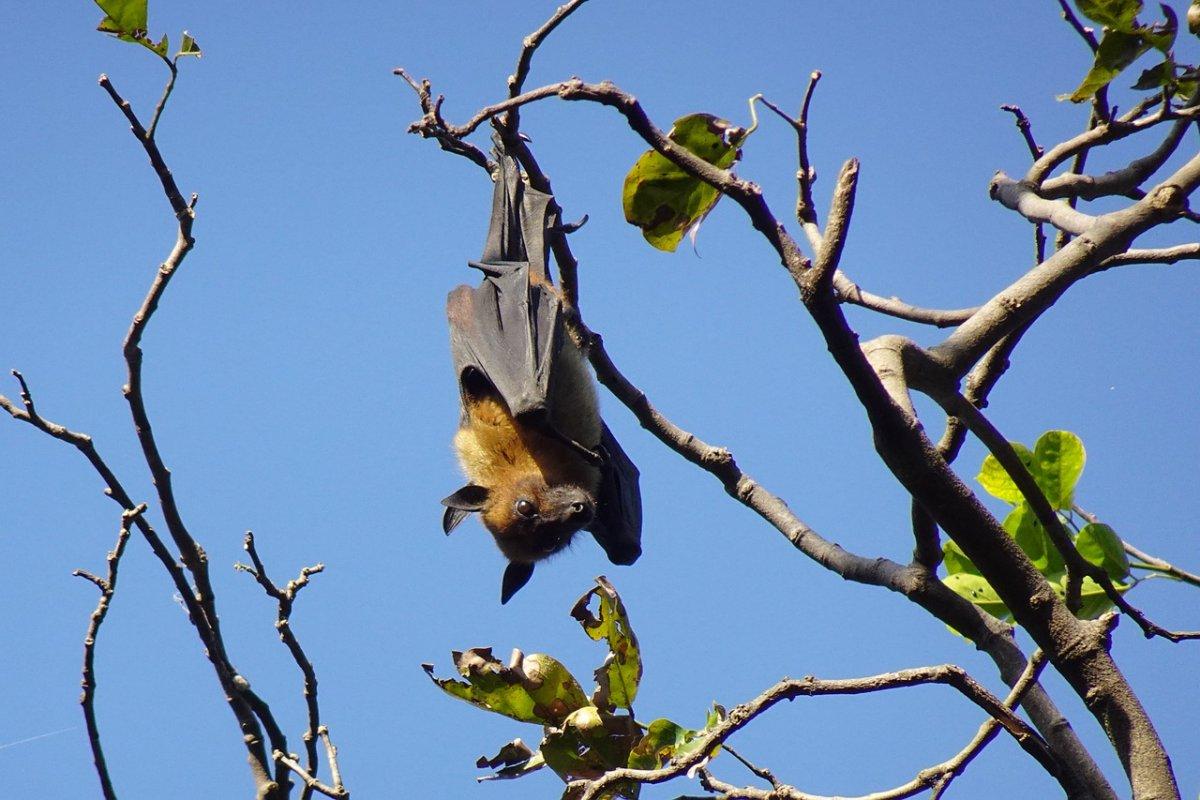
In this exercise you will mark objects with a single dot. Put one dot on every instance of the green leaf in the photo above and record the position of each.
(1094, 601)
(1157, 76)
(188, 46)
(1023, 525)
(124, 16)
(657, 747)
(1116, 14)
(533, 688)
(956, 560)
(1058, 458)
(161, 48)
(1116, 52)
(617, 678)
(665, 740)
(996, 481)
(662, 199)
(976, 589)
(1099, 544)
(1193, 17)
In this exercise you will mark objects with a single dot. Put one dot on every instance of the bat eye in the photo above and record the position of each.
(526, 509)
(577, 508)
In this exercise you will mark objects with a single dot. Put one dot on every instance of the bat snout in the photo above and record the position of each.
(569, 505)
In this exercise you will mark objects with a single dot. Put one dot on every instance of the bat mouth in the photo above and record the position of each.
(565, 511)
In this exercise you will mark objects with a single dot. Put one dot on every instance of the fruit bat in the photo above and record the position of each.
(541, 465)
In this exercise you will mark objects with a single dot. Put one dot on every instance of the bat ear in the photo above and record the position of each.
(516, 575)
(458, 505)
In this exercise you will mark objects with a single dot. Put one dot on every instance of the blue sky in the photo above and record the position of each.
(299, 380)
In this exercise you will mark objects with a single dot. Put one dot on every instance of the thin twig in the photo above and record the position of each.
(87, 698)
(1086, 34)
(761, 772)
(849, 291)
(1159, 564)
(162, 101)
(174, 197)
(447, 142)
(285, 598)
(529, 46)
(806, 175)
(937, 777)
(1026, 130)
(336, 792)
(1164, 255)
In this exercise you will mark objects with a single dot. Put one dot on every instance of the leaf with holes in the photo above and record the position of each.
(617, 678)
(976, 589)
(123, 16)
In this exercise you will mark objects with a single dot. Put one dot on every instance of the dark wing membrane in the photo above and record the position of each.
(508, 331)
(517, 231)
(618, 523)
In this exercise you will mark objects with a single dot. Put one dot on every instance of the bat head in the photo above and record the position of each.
(529, 519)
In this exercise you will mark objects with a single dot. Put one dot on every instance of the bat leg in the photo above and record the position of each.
(516, 575)
(587, 454)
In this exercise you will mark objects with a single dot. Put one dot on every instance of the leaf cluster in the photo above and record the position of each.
(128, 20)
(583, 737)
(1125, 40)
(1056, 463)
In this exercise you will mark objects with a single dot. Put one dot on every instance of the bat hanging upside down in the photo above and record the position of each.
(541, 465)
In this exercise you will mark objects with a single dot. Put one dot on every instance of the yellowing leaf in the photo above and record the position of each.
(124, 16)
(995, 479)
(533, 688)
(617, 678)
(662, 199)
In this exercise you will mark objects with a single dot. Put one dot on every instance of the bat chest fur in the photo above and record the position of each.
(495, 450)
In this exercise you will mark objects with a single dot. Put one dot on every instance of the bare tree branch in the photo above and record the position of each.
(938, 777)
(1022, 121)
(1124, 181)
(848, 291)
(285, 598)
(87, 698)
(1025, 200)
(450, 144)
(806, 175)
(1165, 255)
(529, 46)
(820, 277)
(1102, 134)
(787, 689)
